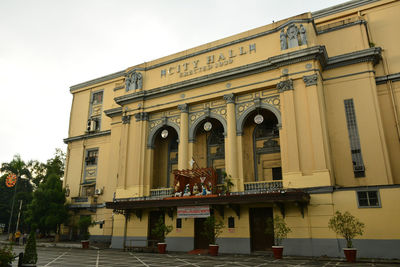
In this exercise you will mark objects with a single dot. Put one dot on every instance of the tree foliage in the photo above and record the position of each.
(48, 208)
(161, 230)
(6, 256)
(346, 225)
(23, 188)
(84, 223)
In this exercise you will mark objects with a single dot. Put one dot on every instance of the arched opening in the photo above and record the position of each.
(261, 147)
(165, 157)
(209, 146)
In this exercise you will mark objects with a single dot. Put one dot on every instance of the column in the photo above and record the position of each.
(183, 155)
(231, 158)
(123, 151)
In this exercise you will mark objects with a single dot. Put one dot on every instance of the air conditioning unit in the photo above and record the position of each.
(98, 191)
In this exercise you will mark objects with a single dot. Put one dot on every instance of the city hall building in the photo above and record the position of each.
(301, 115)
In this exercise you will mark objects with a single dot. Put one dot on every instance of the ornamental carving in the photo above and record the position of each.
(310, 79)
(176, 120)
(133, 80)
(273, 100)
(229, 98)
(285, 86)
(184, 108)
(293, 37)
(126, 119)
(142, 116)
(243, 107)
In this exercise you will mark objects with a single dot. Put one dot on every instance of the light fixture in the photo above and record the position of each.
(164, 134)
(207, 126)
(258, 119)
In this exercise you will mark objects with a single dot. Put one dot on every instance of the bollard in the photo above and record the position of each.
(20, 256)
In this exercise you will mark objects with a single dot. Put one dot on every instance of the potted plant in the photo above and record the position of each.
(212, 229)
(348, 226)
(84, 223)
(30, 255)
(227, 184)
(6, 256)
(280, 230)
(161, 231)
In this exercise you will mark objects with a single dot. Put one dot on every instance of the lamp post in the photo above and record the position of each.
(13, 201)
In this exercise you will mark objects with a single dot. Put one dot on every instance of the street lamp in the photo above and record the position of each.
(23, 177)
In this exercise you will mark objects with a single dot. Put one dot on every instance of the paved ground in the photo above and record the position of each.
(66, 257)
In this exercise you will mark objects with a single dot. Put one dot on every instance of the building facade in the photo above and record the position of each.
(301, 115)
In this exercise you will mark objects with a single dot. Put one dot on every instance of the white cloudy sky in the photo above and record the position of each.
(48, 45)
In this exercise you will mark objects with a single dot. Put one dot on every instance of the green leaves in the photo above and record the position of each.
(213, 228)
(278, 228)
(346, 225)
(160, 229)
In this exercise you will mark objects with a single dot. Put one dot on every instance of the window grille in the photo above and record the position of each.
(368, 199)
(355, 146)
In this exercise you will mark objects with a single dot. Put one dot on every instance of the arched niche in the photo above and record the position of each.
(156, 130)
(196, 123)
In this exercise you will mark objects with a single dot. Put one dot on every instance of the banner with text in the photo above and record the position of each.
(194, 212)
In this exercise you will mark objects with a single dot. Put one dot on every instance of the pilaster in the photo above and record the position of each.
(231, 161)
(183, 153)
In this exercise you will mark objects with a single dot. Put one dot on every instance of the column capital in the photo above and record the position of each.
(310, 79)
(184, 108)
(142, 116)
(126, 119)
(229, 98)
(285, 85)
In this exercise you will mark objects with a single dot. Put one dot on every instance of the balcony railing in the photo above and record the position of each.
(263, 186)
(162, 192)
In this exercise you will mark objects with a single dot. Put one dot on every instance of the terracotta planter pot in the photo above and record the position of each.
(277, 250)
(351, 254)
(162, 248)
(85, 244)
(213, 250)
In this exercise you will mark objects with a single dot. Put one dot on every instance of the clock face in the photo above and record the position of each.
(258, 119)
(164, 134)
(207, 126)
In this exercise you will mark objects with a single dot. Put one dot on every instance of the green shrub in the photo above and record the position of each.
(84, 223)
(6, 256)
(161, 230)
(346, 225)
(30, 255)
(213, 228)
(278, 228)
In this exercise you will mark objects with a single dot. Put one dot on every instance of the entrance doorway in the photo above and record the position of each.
(154, 216)
(200, 240)
(260, 241)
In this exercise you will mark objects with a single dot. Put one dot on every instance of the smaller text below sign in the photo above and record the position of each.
(194, 212)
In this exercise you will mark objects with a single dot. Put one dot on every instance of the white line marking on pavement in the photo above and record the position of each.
(139, 260)
(188, 262)
(57, 258)
(97, 260)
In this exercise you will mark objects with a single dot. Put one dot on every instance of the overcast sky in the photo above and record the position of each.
(46, 46)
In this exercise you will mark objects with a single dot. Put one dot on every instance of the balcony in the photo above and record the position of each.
(262, 187)
(88, 202)
(161, 193)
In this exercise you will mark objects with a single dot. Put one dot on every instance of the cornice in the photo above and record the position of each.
(97, 80)
(395, 77)
(316, 52)
(340, 8)
(367, 55)
(113, 112)
(86, 136)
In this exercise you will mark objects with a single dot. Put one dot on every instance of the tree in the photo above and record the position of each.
(30, 255)
(346, 225)
(48, 208)
(23, 188)
(213, 228)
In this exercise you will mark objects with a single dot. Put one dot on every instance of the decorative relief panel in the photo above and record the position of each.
(153, 124)
(195, 116)
(176, 120)
(293, 37)
(273, 100)
(243, 107)
(220, 111)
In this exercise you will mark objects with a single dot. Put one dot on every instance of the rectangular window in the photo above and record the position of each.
(91, 157)
(178, 223)
(355, 146)
(97, 98)
(277, 173)
(368, 199)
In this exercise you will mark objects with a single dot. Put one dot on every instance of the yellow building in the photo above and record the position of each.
(302, 115)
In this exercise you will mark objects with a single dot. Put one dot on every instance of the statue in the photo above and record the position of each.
(292, 33)
(283, 40)
(196, 190)
(303, 36)
(133, 80)
(186, 192)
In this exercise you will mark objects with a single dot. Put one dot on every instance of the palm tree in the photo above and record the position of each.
(22, 191)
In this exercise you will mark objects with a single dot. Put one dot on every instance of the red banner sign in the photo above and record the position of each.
(194, 212)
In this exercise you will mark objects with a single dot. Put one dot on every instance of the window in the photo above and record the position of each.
(231, 222)
(277, 173)
(178, 223)
(97, 98)
(368, 199)
(355, 146)
(91, 158)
